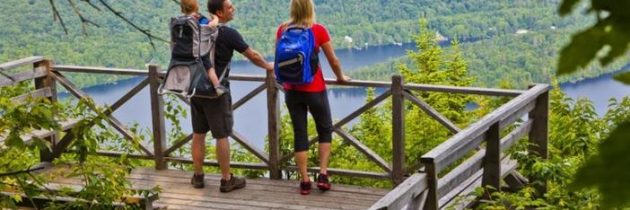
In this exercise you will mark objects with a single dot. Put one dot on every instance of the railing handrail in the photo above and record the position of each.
(20, 62)
(100, 70)
(355, 83)
(443, 154)
(329, 81)
(403, 194)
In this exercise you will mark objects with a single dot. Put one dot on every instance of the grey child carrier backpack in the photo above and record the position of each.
(190, 43)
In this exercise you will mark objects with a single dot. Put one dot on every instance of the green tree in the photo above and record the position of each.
(430, 64)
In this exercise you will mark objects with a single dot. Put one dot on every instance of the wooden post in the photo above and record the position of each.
(492, 160)
(157, 116)
(398, 128)
(432, 183)
(538, 136)
(43, 82)
(273, 125)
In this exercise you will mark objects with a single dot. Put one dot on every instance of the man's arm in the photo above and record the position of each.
(257, 59)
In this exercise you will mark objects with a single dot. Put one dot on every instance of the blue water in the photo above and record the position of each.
(251, 118)
(599, 90)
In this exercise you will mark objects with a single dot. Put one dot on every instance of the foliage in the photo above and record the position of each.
(521, 59)
(613, 159)
(374, 130)
(605, 41)
(623, 77)
(575, 131)
(103, 179)
(522, 200)
(13, 159)
(174, 112)
(40, 114)
(496, 51)
(430, 65)
(116, 44)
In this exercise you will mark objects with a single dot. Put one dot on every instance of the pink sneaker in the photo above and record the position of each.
(305, 188)
(322, 182)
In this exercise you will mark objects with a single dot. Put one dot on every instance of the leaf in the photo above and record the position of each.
(16, 197)
(609, 36)
(623, 77)
(608, 170)
(617, 37)
(41, 144)
(14, 140)
(582, 49)
(615, 7)
(567, 6)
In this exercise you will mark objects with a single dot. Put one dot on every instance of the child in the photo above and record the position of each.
(191, 8)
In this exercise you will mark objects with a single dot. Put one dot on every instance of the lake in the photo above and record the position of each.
(599, 90)
(251, 120)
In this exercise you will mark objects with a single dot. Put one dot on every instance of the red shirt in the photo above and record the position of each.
(318, 84)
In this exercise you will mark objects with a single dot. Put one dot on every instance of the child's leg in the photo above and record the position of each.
(213, 77)
(220, 90)
(214, 21)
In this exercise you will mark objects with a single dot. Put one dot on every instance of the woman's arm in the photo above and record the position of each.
(335, 65)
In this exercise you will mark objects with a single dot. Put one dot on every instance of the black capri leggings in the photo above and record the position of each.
(299, 103)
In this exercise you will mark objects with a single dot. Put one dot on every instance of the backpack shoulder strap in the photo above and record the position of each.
(224, 70)
(213, 50)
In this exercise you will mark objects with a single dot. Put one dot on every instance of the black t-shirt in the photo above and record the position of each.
(228, 41)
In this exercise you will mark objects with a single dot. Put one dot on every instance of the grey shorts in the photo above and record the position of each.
(214, 115)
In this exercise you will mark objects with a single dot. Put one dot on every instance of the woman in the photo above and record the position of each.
(311, 97)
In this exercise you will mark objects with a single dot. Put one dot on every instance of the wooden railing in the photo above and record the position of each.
(414, 191)
(487, 167)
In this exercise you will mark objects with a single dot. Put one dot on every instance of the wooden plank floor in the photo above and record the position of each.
(262, 193)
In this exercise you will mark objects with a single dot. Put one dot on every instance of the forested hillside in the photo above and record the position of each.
(521, 57)
(518, 59)
(28, 27)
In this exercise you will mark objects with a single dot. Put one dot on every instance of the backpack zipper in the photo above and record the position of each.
(290, 61)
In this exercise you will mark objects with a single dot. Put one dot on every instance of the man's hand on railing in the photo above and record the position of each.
(270, 66)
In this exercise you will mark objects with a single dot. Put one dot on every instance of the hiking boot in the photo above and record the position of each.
(220, 90)
(197, 181)
(233, 184)
(322, 182)
(305, 188)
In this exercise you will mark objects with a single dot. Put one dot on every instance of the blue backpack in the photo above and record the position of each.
(296, 61)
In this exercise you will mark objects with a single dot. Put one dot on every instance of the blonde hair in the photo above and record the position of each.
(302, 13)
(189, 6)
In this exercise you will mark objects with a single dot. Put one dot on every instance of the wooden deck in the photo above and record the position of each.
(429, 188)
(262, 193)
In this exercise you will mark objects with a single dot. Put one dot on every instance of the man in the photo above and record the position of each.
(215, 115)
